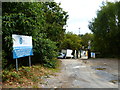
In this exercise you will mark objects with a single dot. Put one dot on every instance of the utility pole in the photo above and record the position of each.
(89, 47)
(80, 48)
(79, 31)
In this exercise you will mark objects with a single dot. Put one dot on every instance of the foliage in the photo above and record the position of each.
(55, 20)
(43, 21)
(106, 29)
(71, 41)
(85, 39)
(47, 50)
(77, 42)
(4, 61)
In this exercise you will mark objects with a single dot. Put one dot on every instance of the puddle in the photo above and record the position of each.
(107, 76)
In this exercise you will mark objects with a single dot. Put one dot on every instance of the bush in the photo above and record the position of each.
(4, 61)
(50, 63)
(45, 51)
(30, 19)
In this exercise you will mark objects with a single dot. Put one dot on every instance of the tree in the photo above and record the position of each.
(27, 18)
(71, 41)
(85, 39)
(55, 20)
(106, 29)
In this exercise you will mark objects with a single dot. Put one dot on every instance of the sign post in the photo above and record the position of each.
(22, 46)
(16, 64)
(29, 61)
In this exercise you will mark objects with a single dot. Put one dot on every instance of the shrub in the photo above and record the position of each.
(30, 19)
(45, 51)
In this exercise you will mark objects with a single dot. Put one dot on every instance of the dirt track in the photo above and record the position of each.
(76, 73)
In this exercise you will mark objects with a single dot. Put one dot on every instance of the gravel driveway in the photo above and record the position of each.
(92, 73)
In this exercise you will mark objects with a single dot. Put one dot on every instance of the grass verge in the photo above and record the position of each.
(27, 77)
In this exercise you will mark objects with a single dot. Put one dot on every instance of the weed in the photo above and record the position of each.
(25, 75)
(20, 81)
(15, 75)
(114, 81)
(100, 68)
(34, 79)
(26, 69)
(19, 87)
(35, 86)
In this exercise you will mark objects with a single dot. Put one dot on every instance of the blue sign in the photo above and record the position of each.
(92, 55)
(22, 52)
(22, 46)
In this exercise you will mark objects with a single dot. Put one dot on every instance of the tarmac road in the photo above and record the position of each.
(78, 74)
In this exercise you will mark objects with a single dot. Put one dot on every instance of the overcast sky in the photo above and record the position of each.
(80, 13)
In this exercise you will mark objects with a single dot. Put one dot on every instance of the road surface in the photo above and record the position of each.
(76, 73)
